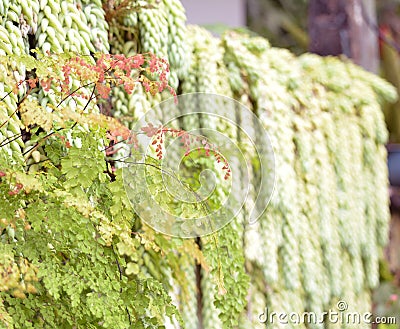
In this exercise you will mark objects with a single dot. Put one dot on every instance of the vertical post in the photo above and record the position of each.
(345, 27)
(327, 25)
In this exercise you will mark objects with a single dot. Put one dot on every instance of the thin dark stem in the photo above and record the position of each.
(38, 143)
(111, 146)
(151, 165)
(84, 86)
(86, 105)
(15, 137)
(3, 98)
(53, 132)
(120, 278)
(15, 111)
(73, 92)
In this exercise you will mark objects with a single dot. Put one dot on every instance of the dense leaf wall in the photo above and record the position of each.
(74, 255)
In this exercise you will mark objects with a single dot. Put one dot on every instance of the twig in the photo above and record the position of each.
(120, 278)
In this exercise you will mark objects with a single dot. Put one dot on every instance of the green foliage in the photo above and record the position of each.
(228, 273)
(72, 243)
(73, 252)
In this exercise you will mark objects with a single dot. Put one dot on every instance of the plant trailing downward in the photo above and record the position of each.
(73, 253)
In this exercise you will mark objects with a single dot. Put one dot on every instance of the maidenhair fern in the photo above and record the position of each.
(75, 254)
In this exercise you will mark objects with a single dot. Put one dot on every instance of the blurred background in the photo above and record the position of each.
(368, 32)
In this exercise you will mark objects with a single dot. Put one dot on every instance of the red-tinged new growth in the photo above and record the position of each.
(18, 187)
(119, 70)
(106, 72)
(187, 140)
(109, 71)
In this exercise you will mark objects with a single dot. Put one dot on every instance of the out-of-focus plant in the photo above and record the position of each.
(387, 305)
(283, 22)
(389, 29)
